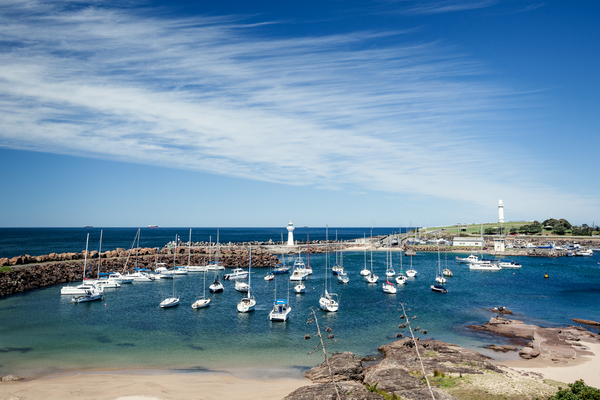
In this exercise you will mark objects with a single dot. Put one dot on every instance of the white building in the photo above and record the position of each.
(499, 244)
(500, 212)
(290, 229)
(467, 242)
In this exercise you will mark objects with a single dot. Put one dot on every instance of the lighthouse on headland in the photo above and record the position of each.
(290, 229)
(500, 212)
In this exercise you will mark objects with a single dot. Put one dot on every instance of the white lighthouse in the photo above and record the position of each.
(500, 212)
(290, 229)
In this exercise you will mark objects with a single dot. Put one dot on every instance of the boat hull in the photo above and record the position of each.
(201, 303)
(169, 302)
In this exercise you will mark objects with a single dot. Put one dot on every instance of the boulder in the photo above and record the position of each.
(528, 353)
(11, 378)
(344, 366)
(349, 390)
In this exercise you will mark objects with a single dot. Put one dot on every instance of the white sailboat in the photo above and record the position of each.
(203, 301)
(372, 278)
(440, 277)
(389, 272)
(215, 266)
(342, 275)
(387, 286)
(83, 287)
(193, 268)
(365, 271)
(328, 301)
(171, 301)
(247, 304)
(411, 273)
(308, 268)
(216, 286)
(337, 268)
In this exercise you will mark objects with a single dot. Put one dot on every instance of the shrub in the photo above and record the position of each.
(577, 391)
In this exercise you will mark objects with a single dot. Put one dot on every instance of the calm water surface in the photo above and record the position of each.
(42, 332)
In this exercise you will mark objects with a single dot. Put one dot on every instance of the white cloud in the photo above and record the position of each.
(443, 6)
(364, 111)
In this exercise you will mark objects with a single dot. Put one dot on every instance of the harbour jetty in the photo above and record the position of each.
(26, 273)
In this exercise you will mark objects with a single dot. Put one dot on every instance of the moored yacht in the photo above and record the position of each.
(281, 310)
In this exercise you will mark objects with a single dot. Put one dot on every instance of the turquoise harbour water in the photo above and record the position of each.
(41, 332)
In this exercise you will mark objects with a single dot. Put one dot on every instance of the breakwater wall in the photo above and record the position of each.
(68, 267)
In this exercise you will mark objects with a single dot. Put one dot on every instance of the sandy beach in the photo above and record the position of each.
(563, 370)
(117, 386)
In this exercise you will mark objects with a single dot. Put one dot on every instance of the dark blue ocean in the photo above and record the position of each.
(41, 332)
(38, 241)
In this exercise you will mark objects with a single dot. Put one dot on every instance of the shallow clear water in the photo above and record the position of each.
(41, 331)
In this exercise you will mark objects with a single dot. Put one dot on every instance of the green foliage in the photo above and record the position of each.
(388, 396)
(560, 230)
(6, 269)
(490, 231)
(373, 387)
(438, 373)
(577, 391)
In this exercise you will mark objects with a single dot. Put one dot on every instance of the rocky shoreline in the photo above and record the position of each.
(453, 372)
(68, 267)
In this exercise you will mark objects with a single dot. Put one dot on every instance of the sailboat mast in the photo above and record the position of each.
(190, 248)
(217, 255)
(336, 248)
(250, 273)
(371, 250)
(307, 251)
(100, 254)
(326, 253)
(86, 251)
(175, 253)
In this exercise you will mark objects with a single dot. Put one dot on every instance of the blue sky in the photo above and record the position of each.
(347, 113)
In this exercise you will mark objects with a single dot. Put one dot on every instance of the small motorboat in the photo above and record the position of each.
(269, 277)
(299, 274)
(509, 264)
(80, 290)
(90, 295)
(299, 288)
(237, 273)
(439, 288)
(281, 310)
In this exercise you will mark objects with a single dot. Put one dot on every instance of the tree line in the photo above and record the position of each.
(556, 226)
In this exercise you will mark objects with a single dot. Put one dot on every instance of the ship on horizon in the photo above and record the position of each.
(152, 226)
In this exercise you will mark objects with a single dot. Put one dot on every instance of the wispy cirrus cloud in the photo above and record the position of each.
(363, 110)
(442, 6)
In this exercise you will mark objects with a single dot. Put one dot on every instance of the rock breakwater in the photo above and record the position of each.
(55, 268)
